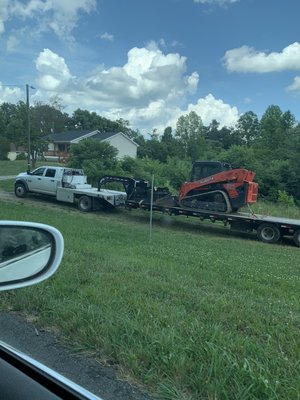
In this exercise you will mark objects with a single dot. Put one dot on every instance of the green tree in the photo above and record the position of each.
(293, 149)
(154, 149)
(83, 119)
(248, 128)
(7, 111)
(176, 171)
(4, 148)
(2, 124)
(170, 143)
(16, 127)
(95, 157)
(240, 157)
(44, 120)
(47, 119)
(275, 128)
(221, 138)
(191, 135)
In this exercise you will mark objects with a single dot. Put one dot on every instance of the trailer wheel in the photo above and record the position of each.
(85, 203)
(20, 190)
(296, 237)
(268, 233)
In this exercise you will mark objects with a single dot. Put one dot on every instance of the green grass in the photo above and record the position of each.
(12, 167)
(17, 166)
(263, 207)
(198, 313)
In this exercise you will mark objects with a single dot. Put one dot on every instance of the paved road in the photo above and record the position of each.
(44, 347)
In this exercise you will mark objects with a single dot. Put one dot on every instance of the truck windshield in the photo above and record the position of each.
(39, 171)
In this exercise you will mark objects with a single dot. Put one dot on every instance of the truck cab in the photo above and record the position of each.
(47, 180)
(44, 180)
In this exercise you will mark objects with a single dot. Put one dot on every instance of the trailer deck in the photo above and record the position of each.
(268, 229)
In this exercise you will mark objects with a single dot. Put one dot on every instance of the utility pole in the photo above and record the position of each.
(28, 130)
(28, 127)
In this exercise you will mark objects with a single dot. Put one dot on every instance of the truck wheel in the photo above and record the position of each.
(20, 190)
(296, 237)
(85, 203)
(268, 233)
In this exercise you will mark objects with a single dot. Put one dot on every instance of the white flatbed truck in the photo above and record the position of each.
(68, 185)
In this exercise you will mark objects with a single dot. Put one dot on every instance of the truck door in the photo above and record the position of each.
(43, 180)
(35, 178)
(49, 181)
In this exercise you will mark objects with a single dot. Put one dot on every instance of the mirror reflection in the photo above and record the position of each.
(24, 252)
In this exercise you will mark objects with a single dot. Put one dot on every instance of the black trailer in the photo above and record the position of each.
(268, 229)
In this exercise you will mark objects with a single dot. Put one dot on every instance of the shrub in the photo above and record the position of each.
(21, 156)
(285, 199)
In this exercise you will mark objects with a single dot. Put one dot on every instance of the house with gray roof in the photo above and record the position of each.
(59, 143)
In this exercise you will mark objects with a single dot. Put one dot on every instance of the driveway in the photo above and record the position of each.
(3, 178)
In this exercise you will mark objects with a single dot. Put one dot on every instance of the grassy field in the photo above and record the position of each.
(15, 167)
(198, 313)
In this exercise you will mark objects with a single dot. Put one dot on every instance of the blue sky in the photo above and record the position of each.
(150, 61)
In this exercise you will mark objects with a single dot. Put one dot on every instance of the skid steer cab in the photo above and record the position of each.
(216, 186)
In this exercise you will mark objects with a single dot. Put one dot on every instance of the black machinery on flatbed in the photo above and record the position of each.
(141, 196)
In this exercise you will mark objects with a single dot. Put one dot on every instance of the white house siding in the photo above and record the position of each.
(124, 146)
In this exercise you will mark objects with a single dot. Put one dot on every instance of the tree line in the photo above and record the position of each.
(270, 146)
(46, 119)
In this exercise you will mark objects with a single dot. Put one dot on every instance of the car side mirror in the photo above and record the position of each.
(29, 253)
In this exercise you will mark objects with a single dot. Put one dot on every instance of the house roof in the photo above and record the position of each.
(77, 135)
(107, 135)
(70, 136)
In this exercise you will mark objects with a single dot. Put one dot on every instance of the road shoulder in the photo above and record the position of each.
(44, 346)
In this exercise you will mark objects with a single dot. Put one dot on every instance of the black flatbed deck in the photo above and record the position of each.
(269, 229)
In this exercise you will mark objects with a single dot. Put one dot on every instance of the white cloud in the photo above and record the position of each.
(210, 108)
(175, 43)
(59, 16)
(147, 76)
(295, 86)
(147, 90)
(217, 2)
(12, 43)
(159, 114)
(3, 14)
(156, 115)
(11, 94)
(107, 36)
(247, 59)
(54, 72)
